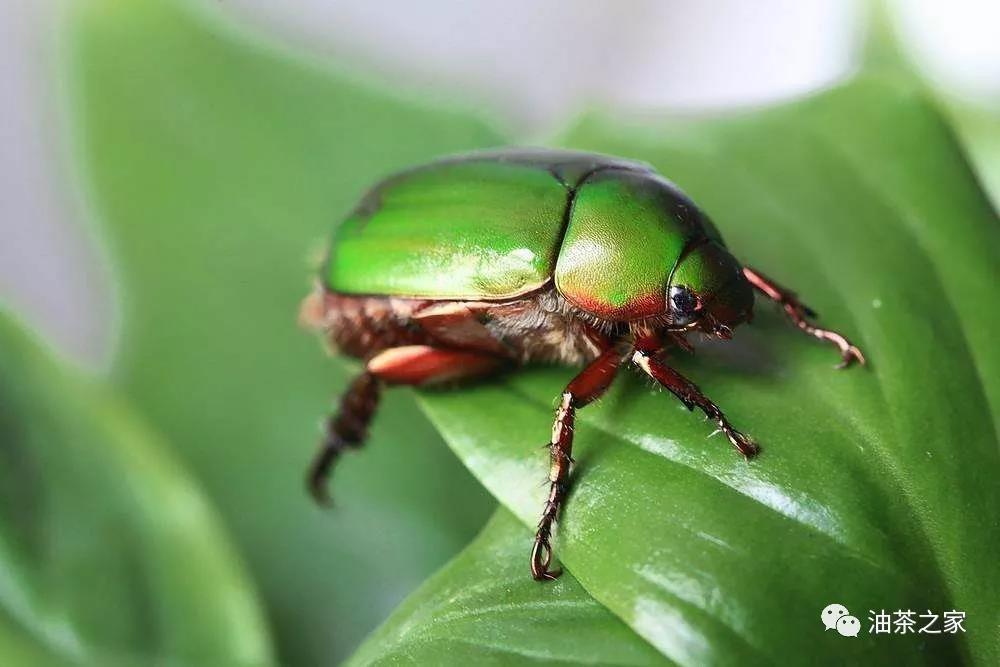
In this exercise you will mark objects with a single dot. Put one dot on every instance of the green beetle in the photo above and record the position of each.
(478, 262)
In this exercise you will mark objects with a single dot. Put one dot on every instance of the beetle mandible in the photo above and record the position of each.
(464, 266)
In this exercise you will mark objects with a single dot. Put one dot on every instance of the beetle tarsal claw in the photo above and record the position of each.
(743, 443)
(541, 558)
(316, 484)
(849, 356)
(320, 471)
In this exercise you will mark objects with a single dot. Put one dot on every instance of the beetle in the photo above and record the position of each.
(465, 266)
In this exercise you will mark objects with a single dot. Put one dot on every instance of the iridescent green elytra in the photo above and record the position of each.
(612, 235)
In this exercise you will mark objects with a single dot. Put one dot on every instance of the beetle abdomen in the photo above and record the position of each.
(542, 327)
(360, 326)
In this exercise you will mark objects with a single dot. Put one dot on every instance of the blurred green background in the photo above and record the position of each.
(214, 238)
(152, 504)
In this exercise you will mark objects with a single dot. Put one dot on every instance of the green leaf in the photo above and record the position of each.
(877, 487)
(107, 549)
(217, 165)
(977, 125)
(979, 129)
(481, 609)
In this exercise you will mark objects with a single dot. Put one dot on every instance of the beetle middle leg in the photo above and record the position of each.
(690, 395)
(799, 313)
(591, 382)
(405, 365)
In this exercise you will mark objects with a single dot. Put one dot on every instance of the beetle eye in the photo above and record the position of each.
(684, 304)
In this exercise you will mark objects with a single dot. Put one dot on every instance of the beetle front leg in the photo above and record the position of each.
(583, 389)
(691, 396)
(798, 313)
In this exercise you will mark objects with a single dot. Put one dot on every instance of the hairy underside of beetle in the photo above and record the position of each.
(541, 327)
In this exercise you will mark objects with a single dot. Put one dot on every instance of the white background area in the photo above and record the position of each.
(535, 64)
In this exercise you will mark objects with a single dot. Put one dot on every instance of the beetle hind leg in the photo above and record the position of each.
(347, 429)
(404, 365)
(799, 313)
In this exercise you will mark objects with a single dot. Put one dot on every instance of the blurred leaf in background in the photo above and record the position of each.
(215, 164)
(877, 487)
(975, 121)
(979, 128)
(109, 554)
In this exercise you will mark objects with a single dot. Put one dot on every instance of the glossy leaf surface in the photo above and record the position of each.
(877, 486)
(482, 607)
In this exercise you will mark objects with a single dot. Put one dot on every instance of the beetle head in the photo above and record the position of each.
(708, 291)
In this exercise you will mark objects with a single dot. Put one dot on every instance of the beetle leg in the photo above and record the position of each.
(405, 365)
(677, 337)
(591, 382)
(691, 396)
(346, 429)
(457, 324)
(798, 313)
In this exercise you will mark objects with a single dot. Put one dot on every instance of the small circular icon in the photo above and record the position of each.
(831, 614)
(849, 626)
